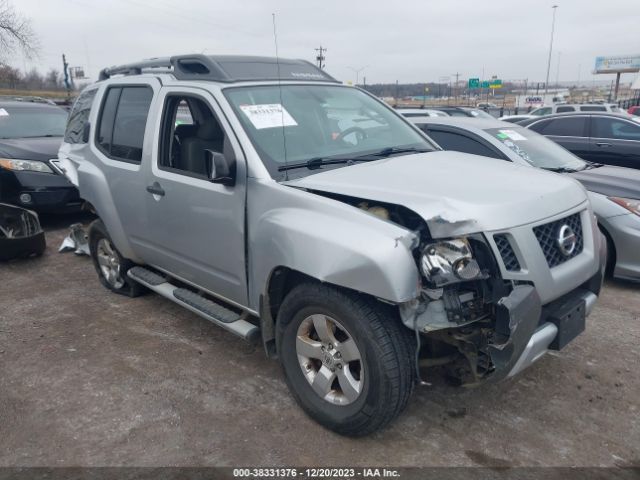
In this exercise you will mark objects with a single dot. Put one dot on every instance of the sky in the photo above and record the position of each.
(406, 40)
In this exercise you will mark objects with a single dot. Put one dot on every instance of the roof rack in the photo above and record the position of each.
(224, 68)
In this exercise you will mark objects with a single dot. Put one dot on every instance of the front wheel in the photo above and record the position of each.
(347, 359)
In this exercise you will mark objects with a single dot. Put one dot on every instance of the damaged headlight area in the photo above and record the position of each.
(460, 284)
(449, 261)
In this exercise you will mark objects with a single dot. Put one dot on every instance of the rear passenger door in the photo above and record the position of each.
(571, 132)
(122, 144)
(615, 141)
(196, 228)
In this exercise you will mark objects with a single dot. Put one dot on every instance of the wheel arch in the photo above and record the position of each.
(281, 281)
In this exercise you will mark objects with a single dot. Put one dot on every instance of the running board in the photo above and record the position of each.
(207, 309)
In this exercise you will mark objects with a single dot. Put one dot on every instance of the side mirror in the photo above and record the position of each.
(218, 169)
(85, 132)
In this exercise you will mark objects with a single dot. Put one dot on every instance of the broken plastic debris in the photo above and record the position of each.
(77, 241)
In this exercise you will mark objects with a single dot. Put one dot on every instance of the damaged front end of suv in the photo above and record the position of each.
(482, 309)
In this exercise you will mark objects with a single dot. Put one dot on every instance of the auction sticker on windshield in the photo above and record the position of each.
(511, 135)
(268, 115)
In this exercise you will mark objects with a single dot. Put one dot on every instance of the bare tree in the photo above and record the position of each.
(15, 32)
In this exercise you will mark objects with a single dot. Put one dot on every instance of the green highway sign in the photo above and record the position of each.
(496, 84)
(474, 83)
(485, 84)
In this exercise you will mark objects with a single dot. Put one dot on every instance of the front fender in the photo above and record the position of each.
(335, 243)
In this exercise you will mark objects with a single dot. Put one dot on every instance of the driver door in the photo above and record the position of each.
(196, 228)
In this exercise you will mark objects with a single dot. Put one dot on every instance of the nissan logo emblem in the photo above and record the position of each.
(566, 240)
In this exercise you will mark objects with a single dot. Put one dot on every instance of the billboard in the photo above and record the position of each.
(618, 63)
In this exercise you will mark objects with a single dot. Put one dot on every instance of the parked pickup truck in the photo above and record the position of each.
(289, 209)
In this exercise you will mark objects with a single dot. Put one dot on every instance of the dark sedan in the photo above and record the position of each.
(609, 138)
(30, 135)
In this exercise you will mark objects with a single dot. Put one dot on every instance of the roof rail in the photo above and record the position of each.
(224, 68)
(135, 68)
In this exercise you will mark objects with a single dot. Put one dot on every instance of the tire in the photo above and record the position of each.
(106, 257)
(378, 374)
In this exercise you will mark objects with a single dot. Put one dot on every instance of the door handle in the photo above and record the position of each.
(603, 144)
(155, 189)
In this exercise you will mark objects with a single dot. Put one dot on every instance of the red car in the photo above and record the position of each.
(635, 110)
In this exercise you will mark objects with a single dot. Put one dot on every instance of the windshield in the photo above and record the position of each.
(31, 121)
(319, 123)
(536, 149)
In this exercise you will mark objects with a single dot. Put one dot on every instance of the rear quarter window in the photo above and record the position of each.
(79, 117)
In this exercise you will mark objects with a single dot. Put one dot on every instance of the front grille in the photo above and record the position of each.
(547, 235)
(511, 263)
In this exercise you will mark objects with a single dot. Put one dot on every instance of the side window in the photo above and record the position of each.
(565, 109)
(79, 117)
(614, 129)
(461, 143)
(189, 128)
(540, 126)
(541, 111)
(562, 127)
(122, 122)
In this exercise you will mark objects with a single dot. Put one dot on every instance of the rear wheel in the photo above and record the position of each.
(110, 265)
(347, 359)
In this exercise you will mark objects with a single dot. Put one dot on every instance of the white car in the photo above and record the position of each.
(568, 108)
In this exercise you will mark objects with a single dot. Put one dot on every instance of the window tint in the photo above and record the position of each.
(461, 143)
(615, 129)
(593, 108)
(79, 117)
(123, 121)
(565, 109)
(189, 129)
(562, 127)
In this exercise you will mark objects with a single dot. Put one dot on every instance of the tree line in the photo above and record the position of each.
(14, 79)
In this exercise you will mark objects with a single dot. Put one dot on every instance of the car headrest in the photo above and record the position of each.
(210, 130)
(185, 130)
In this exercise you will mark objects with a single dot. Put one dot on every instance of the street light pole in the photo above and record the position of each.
(357, 72)
(553, 26)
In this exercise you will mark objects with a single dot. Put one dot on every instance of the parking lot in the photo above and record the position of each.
(92, 378)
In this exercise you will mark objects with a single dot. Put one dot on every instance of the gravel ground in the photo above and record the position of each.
(89, 378)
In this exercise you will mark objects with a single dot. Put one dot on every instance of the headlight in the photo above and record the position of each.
(25, 165)
(627, 203)
(449, 261)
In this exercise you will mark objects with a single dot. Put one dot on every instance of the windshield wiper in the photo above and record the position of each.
(315, 163)
(386, 152)
(560, 169)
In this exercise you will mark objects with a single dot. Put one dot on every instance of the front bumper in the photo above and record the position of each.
(526, 330)
(43, 192)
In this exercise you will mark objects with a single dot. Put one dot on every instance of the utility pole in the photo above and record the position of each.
(320, 57)
(455, 87)
(553, 27)
(558, 70)
(65, 71)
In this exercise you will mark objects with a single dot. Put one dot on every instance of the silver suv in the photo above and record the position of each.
(266, 197)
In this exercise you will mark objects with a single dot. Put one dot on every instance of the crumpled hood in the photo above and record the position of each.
(39, 148)
(455, 193)
(611, 181)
